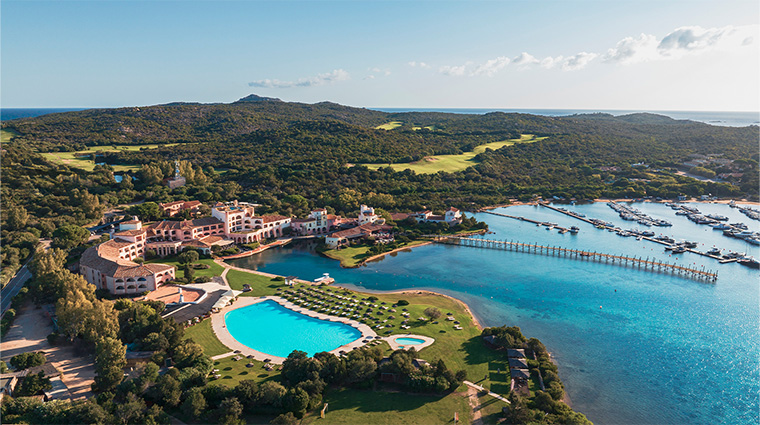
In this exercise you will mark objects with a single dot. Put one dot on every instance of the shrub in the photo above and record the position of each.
(27, 360)
(402, 302)
(202, 279)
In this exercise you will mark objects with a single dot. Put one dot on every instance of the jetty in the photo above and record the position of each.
(559, 228)
(555, 251)
(609, 226)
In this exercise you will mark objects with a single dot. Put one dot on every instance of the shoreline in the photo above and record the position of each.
(516, 203)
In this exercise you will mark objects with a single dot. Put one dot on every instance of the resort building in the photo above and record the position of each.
(343, 237)
(242, 225)
(110, 265)
(173, 208)
(452, 216)
(367, 216)
(319, 222)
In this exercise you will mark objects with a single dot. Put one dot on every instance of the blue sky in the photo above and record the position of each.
(647, 55)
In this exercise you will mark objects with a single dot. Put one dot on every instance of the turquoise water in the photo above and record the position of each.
(661, 350)
(270, 328)
(409, 341)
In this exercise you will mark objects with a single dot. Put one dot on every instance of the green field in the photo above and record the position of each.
(7, 135)
(203, 335)
(390, 126)
(454, 163)
(81, 159)
(260, 285)
(350, 406)
(352, 256)
(213, 270)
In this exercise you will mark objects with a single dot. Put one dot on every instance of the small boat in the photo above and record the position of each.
(732, 204)
(714, 251)
(679, 250)
(647, 233)
(717, 217)
(721, 226)
(753, 241)
(734, 255)
(688, 244)
(574, 229)
(681, 212)
(750, 262)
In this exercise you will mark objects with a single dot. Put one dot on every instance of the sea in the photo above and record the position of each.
(728, 119)
(633, 346)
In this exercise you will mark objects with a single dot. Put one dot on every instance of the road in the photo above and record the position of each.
(15, 285)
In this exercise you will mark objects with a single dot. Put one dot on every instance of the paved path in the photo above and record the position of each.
(15, 285)
(231, 267)
(479, 388)
(220, 329)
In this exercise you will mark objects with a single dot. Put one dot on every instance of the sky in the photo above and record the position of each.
(660, 55)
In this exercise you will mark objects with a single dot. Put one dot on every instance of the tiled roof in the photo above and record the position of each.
(399, 216)
(271, 218)
(133, 232)
(359, 231)
(302, 220)
(452, 209)
(105, 258)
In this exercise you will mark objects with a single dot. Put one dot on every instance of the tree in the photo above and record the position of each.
(230, 411)
(432, 313)
(296, 400)
(109, 363)
(27, 360)
(168, 391)
(285, 419)
(188, 257)
(195, 402)
(188, 353)
(147, 211)
(33, 384)
(68, 236)
(271, 393)
(17, 217)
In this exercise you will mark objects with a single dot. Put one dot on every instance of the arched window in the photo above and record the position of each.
(142, 279)
(119, 281)
(130, 286)
(142, 286)
(120, 287)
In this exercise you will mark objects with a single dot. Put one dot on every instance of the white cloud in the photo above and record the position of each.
(415, 64)
(525, 58)
(376, 70)
(633, 50)
(491, 67)
(680, 42)
(454, 71)
(318, 80)
(579, 61)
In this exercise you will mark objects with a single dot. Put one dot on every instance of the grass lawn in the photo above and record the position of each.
(453, 163)
(350, 406)
(204, 335)
(213, 270)
(81, 159)
(390, 126)
(260, 285)
(351, 256)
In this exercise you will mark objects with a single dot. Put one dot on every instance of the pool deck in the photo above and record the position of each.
(391, 340)
(220, 329)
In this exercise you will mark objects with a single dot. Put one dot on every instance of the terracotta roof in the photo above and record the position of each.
(436, 217)
(359, 231)
(133, 232)
(212, 239)
(320, 210)
(105, 258)
(131, 222)
(399, 216)
(171, 204)
(192, 204)
(452, 209)
(185, 224)
(332, 217)
(271, 218)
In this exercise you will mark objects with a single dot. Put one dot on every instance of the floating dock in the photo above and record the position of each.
(646, 264)
(536, 222)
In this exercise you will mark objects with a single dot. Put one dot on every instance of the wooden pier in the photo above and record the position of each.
(640, 263)
(536, 222)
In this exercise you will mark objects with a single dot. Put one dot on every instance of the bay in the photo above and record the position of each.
(633, 347)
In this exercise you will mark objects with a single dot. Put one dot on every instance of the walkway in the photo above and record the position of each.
(14, 286)
(492, 394)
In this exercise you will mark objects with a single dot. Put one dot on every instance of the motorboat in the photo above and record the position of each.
(714, 251)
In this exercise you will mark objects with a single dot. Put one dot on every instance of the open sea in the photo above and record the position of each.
(729, 119)
(633, 346)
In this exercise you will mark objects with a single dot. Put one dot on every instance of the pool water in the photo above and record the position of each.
(272, 329)
(409, 341)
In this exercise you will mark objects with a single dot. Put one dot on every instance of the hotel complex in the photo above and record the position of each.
(112, 266)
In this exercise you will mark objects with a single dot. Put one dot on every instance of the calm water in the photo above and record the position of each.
(729, 119)
(661, 349)
(270, 328)
(7, 114)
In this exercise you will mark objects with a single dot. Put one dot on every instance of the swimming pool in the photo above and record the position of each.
(272, 329)
(409, 341)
